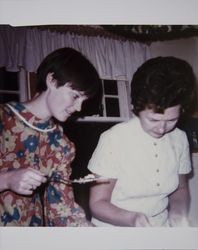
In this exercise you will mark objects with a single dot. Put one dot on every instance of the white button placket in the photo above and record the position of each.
(157, 160)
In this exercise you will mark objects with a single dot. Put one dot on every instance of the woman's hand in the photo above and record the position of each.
(103, 210)
(139, 220)
(25, 181)
(176, 220)
(179, 204)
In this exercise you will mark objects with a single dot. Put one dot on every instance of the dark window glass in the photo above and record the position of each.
(8, 80)
(112, 107)
(8, 97)
(110, 87)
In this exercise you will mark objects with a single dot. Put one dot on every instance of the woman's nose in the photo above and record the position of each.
(162, 127)
(78, 105)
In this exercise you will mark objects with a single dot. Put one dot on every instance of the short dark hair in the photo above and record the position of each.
(162, 82)
(69, 65)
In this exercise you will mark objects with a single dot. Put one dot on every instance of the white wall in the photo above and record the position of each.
(186, 49)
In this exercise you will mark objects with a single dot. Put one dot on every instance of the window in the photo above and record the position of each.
(115, 102)
(111, 98)
(12, 86)
(9, 87)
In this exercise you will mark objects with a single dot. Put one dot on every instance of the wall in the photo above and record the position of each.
(186, 49)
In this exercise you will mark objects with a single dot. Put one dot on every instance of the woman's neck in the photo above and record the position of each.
(37, 106)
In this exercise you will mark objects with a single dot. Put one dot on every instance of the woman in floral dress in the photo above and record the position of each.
(34, 151)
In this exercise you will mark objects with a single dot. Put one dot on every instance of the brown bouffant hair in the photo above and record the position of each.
(163, 82)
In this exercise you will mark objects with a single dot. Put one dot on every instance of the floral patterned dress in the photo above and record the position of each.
(47, 150)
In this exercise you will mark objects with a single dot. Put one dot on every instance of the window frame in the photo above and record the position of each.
(22, 85)
(124, 104)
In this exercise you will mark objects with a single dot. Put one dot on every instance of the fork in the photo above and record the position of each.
(57, 178)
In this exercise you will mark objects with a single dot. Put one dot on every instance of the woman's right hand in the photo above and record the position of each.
(25, 181)
(139, 220)
(103, 210)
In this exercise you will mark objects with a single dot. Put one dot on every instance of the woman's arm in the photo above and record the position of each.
(179, 202)
(102, 208)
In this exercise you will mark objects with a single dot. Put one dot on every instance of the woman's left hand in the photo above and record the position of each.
(179, 204)
(177, 220)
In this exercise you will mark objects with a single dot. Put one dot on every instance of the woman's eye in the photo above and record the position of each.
(75, 96)
(172, 121)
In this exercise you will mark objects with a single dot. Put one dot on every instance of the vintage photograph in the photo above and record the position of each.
(71, 97)
(99, 132)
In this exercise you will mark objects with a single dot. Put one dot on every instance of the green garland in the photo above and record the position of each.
(151, 33)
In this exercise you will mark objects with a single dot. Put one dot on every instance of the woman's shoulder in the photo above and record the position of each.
(120, 130)
(179, 136)
(130, 124)
(177, 132)
(4, 111)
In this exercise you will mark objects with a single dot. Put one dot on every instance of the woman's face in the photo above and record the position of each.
(63, 101)
(157, 124)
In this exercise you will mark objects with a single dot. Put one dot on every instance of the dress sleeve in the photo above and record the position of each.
(184, 156)
(105, 159)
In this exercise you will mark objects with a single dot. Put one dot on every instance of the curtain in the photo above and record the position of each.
(26, 47)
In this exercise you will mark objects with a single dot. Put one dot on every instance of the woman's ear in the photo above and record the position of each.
(50, 81)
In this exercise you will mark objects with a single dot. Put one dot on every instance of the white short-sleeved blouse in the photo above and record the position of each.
(147, 169)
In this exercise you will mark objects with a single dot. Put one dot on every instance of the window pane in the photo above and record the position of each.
(110, 87)
(8, 80)
(112, 107)
(9, 97)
